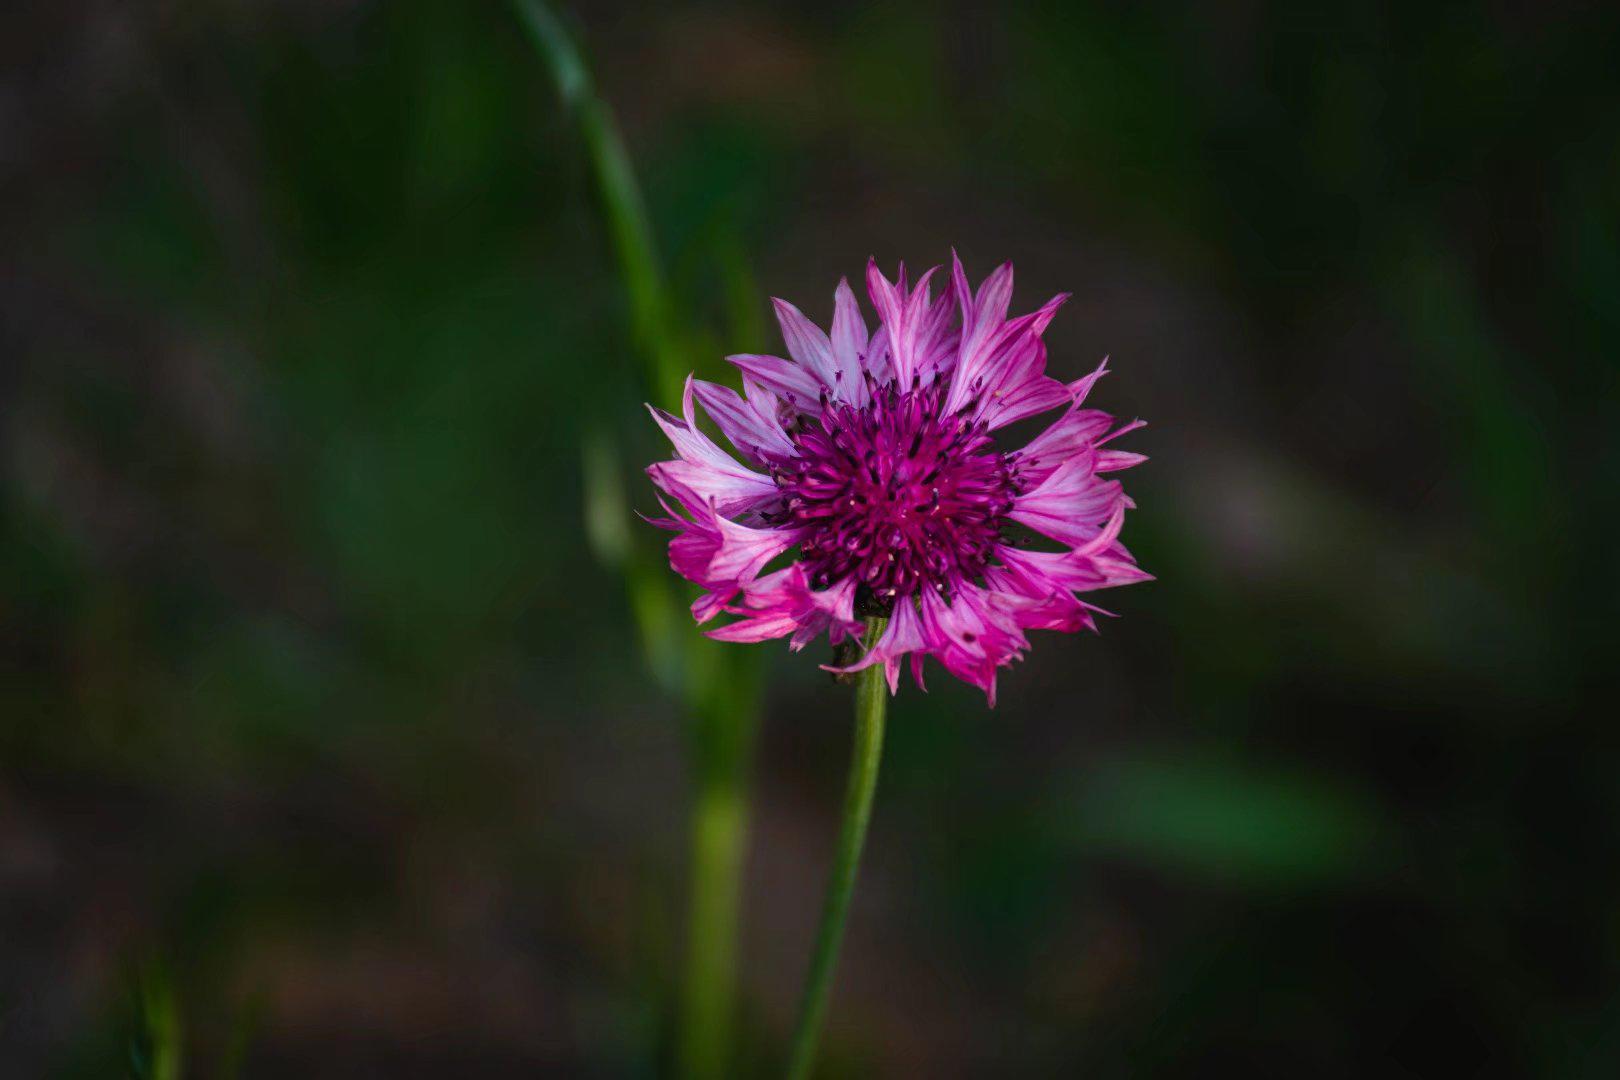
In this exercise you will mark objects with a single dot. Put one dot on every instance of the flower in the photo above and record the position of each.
(872, 460)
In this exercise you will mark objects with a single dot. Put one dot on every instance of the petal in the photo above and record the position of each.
(1071, 504)
(782, 603)
(783, 378)
(1100, 563)
(1068, 435)
(1115, 460)
(937, 341)
(756, 432)
(901, 636)
(849, 343)
(720, 555)
(744, 551)
(885, 298)
(973, 635)
(907, 341)
(1006, 360)
(1081, 387)
(981, 318)
(903, 316)
(1031, 398)
(704, 467)
(731, 493)
(807, 344)
(879, 359)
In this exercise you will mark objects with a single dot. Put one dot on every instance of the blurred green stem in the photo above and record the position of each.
(871, 700)
(622, 206)
(719, 837)
(156, 1054)
(719, 688)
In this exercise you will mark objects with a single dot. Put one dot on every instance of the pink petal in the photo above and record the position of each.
(1071, 433)
(704, 467)
(807, 344)
(783, 378)
(848, 344)
(1115, 460)
(754, 431)
(982, 319)
(1071, 504)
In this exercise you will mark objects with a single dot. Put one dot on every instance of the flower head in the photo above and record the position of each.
(870, 463)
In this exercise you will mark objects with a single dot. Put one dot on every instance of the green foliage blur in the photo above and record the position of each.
(328, 749)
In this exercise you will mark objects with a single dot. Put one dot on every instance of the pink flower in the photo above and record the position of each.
(869, 464)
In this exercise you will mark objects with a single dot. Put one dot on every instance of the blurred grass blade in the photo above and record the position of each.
(719, 687)
(1215, 817)
(567, 68)
(607, 518)
(622, 205)
(155, 1050)
(663, 372)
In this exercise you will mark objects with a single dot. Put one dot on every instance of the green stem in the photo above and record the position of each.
(720, 694)
(624, 211)
(725, 711)
(871, 699)
(719, 840)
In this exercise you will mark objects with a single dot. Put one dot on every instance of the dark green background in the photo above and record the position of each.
(314, 701)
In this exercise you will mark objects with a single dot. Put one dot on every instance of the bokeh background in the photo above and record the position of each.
(318, 715)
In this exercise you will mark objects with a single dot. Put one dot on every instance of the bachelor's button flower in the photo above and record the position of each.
(872, 459)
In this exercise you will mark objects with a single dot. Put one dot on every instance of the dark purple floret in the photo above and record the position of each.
(896, 494)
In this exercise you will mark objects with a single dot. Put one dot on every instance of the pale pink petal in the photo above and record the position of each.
(982, 321)
(1115, 460)
(1070, 505)
(1081, 387)
(754, 431)
(906, 342)
(705, 468)
(848, 344)
(1071, 433)
(807, 344)
(784, 378)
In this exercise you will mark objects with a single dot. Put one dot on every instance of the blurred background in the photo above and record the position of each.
(322, 729)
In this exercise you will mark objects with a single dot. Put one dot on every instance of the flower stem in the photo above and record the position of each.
(871, 699)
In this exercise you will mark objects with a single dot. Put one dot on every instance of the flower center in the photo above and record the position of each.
(895, 494)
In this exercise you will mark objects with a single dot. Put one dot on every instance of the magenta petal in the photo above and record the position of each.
(1115, 460)
(705, 468)
(721, 555)
(885, 298)
(848, 344)
(982, 320)
(1005, 359)
(1081, 387)
(782, 603)
(754, 431)
(1071, 504)
(1067, 436)
(755, 629)
(1031, 398)
(807, 344)
(907, 342)
(784, 378)
(879, 359)
(901, 636)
